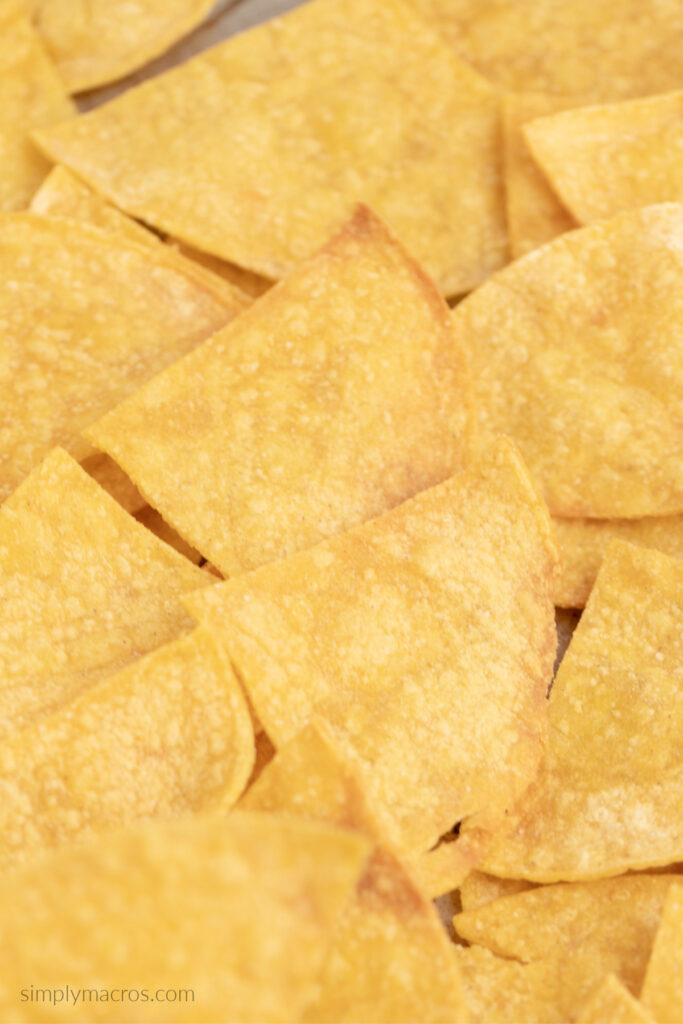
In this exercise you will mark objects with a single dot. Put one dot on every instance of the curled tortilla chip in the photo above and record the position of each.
(499, 991)
(103, 40)
(84, 590)
(663, 986)
(607, 49)
(602, 161)
(583, 543)
(337, 102)
(534, 213)
(335, 397)
(606, 798)
(235, 913)
(167, 735)
(90, 317)
(389, 959)
(33, 96)
(612, 1003)
(426, 639)
(584, 371)
(587, 929)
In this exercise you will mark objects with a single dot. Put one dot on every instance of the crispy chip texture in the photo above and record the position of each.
(607, 796)
(501, 991)
(84, 590)
(103, 40)
(87, 318)
(608, 49)
(663, 987)
(478, 889)
(170, 733)
(240, 912)
(534, 213)
(335, 397)
(587, 929)
(390, 960)
(584, 370)
(32, 97)
(425, 637)
(583, 542)
(604, 160)
(338, 101)
(612, 1003)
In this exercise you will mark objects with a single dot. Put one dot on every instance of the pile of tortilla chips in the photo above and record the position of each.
(341, 642)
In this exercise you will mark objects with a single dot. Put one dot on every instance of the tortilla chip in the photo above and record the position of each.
(534, 213)
(62, 194)
(602, 161)
(501, 991)
(84, 590)
(114, 481)
(612, 1003)
(608, 49)
(103, 40)
(425, 637)
(90, 317)
(606, 798)
(584, 370)
(583, 542)
(478, 889)
(236, 913)
(390, 959)
(335, 397)
(32, 97)
(336, 102)
(587, 929)
(169, 734)
(663, 986)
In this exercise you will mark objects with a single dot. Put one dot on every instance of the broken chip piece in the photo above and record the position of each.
(84, 589)
(584, 371)
(403, 633)
(168, 734)
(594, 810)
(237, 913)
(335, 397)
(417, 138)
(602, 161)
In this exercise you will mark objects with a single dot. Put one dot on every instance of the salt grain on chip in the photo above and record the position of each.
(335, 397)
(84, 590)
(339, 101)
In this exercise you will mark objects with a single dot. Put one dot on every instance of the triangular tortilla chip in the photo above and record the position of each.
(169, 734)
(84, 590)
(32, 97)
(583, 542)
(425, 637)
(89, 316)
(603, 48)
(335, 397)
(337, 102)
(607, 796)
(62, 194)
(499, 991)
(237, 914)
(478, 889)
(534, 213)
(390, 959)
(612, 1003)
(587, 929)
(585, 371)
(103, 40)
(663, 986)
(602, 161)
